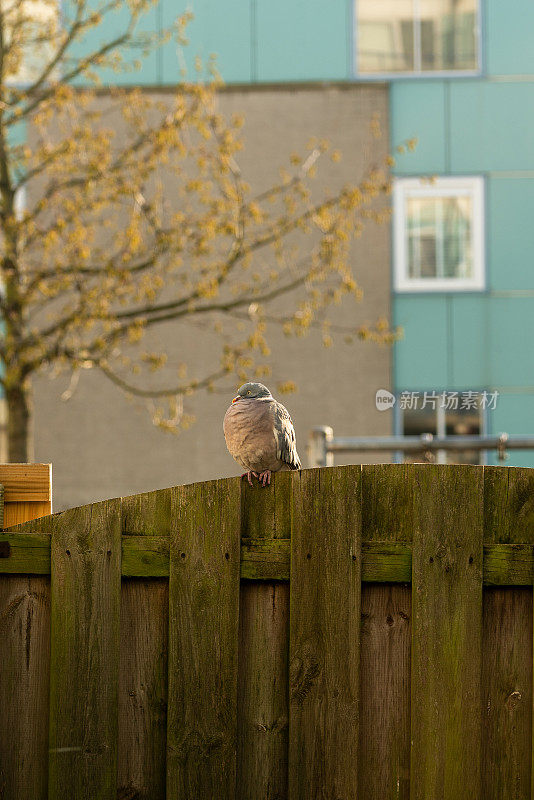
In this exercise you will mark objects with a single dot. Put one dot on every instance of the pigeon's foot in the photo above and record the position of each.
(265, 477)
(248, 475)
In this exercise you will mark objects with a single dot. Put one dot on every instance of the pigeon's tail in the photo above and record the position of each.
(295, 462)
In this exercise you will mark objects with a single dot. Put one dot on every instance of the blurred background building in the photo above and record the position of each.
(456, 272)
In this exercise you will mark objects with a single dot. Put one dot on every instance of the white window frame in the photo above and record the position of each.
(17, 80)
(417, 72)
(405, 188)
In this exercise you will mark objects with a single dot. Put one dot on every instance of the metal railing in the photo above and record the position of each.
(323, 444)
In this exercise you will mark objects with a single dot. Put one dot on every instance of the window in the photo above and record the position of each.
(32, 36)
(438, 234)
(416, 36)
(444, 414)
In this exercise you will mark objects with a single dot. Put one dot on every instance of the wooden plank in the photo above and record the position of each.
(24, 655)
(203, 640)
(143, 689)
(24, 681)
(509, 505)
(17, 513)
(25, 553)
(84, 657)
(507, 694)
(508, 564)
(507, 640)
(324, 643)
(263, 641)
(387, 512)
(26, 483)
(446, 632)
(267, 559)
(144, 648)
(145, 556)
(386, 562)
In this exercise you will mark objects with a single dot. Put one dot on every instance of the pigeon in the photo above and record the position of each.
(259, 433)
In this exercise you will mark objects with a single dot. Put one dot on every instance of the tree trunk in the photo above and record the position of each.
(19, 439)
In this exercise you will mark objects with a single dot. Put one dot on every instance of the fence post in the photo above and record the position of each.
(318, 455)
(24, 611)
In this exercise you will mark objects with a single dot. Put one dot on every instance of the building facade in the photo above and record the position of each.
(461, 80)
(455, 273)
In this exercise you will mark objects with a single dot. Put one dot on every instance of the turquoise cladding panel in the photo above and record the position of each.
(421, 358)
(303, 40)
(509, 27)
(510, 233)
(464, 341)
(223, 29)
(491, 125)
(470, 358)
(114, 25)
(510, 339)
(514, 413)
(417, 109)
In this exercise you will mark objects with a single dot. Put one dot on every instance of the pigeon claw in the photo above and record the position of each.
(248, 475)
(265, 477)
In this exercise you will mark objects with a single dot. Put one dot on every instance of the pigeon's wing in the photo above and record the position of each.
(286, 444)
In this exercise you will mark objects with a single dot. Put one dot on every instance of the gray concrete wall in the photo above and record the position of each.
(103, 445)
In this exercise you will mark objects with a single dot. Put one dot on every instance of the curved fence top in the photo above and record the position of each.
(260, 667)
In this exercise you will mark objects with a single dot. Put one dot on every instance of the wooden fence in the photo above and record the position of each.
(350, 632)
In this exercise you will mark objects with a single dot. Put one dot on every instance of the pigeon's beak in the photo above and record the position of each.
(236, 399)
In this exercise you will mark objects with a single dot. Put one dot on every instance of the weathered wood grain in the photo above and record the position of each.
(507, 640)
(266, 559)
(387, 513)
(203, 640)
(24, 673)
(263, 642)
(25, 553)
(507, 694)
(446, 633)
(24, 678)
(508, 505)
(84, 653)
(324, 645)
(144, 647)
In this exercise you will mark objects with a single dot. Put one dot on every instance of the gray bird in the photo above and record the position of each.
(259, 433)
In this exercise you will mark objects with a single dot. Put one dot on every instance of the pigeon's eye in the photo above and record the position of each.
(249, 392)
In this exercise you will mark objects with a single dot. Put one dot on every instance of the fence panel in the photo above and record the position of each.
(387, 514)
(143, 655)
(263, 715)
(324, 637)
(279, 627)
(446, 632)
(507, 643)
(84, 652)
(203, 640)
(25, 637)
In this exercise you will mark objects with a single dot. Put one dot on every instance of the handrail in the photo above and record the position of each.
(323, 444)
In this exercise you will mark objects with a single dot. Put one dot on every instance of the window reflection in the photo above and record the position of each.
(416, 35)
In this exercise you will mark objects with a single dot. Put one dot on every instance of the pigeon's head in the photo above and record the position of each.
(252, 391)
